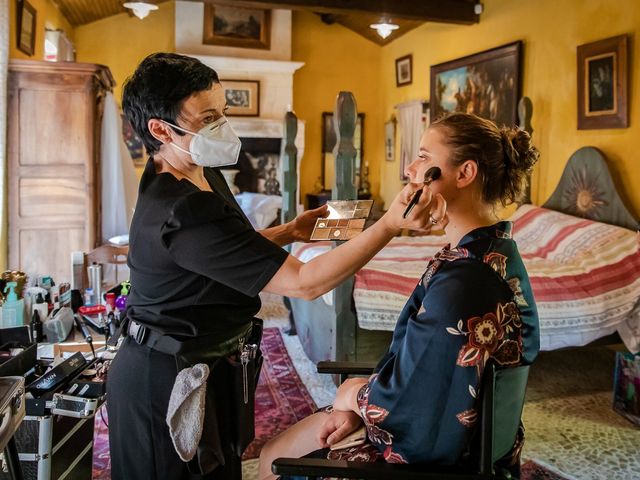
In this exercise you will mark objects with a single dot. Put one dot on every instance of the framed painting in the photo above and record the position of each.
(26, 31)
(133, 142)
(231, 26)
(404, 70)
(602, 84)
(243, 97)
(485, 83)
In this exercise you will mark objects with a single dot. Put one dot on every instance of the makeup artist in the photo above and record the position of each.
(197, 267)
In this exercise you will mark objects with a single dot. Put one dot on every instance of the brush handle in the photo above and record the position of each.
(414, 200)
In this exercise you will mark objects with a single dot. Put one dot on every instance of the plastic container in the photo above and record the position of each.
(89, 297)
(12, 309)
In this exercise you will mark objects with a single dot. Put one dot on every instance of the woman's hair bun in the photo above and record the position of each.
(519, 158)
(519, 152)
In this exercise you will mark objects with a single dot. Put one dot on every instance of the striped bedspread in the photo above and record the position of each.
(585, 277)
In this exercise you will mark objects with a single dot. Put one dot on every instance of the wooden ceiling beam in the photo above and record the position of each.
(445, 11)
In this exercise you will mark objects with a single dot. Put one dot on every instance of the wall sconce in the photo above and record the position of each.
(140, 9)
(384, 28)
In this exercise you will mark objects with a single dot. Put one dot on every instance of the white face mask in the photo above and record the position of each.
(215, 145)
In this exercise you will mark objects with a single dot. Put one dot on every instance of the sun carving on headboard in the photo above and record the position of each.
(582, 196)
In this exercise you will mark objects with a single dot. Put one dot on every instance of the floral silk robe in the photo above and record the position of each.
(474, 302)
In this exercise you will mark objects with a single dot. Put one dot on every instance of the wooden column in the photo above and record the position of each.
(289, 160)
(344, 122)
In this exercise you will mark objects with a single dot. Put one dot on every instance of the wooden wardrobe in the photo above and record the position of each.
(54, 124)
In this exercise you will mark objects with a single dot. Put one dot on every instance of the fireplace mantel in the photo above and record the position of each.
(248, 66)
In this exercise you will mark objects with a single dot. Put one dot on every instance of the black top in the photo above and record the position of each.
(197, 265)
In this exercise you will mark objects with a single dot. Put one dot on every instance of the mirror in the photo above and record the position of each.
(329, 142)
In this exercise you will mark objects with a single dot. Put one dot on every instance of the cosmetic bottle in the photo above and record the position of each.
(89, 298)
(121, 301)
(36, 328)
(12, 309)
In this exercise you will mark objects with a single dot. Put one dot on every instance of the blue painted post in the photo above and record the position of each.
(289, 160)
(344, 121)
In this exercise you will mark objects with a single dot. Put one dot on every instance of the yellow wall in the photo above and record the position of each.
(47, 16)
(338, 59)
(335, 59)
(551, 31)
(122, 41)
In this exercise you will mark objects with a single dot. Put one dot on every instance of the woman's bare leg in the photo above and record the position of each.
(294, 442)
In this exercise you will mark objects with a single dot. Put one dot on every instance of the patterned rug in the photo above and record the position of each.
(281, 397)
(281, 400)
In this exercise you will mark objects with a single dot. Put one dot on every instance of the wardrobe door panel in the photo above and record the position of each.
(46, 197)
(54, 127)
(47, 251)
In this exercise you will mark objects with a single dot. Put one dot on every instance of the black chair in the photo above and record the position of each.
(502, 399)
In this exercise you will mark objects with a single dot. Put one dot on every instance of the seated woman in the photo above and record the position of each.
(473, 303)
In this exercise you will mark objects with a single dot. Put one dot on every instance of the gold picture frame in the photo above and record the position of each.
(243, 97)
(486, 83)
(602, 84)
(231, 26)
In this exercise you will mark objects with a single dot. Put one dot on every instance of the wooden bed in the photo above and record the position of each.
(580, 249)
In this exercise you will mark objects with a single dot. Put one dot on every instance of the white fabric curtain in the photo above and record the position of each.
(4, 73)
(119, 182)
(411, 129)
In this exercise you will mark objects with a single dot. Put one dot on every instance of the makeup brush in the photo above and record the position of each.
(429, 176)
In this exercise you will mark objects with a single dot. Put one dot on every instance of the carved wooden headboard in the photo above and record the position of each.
(586, 189)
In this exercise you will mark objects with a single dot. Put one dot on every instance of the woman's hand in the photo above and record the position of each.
(346, 396)
(297, 230)
(430, 213)
(302, 225)
(338, 425)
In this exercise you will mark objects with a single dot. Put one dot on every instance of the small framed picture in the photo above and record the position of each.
(26, 21)
(602, 84)
(404, 70)
(243, 97)
(232, 26)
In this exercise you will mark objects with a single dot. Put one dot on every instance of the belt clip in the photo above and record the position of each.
(139, 333)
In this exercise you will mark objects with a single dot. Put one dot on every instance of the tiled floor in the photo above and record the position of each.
(569, 420)
(568, 417)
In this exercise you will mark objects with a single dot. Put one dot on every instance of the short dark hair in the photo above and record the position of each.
(504, 155)
(158, 88)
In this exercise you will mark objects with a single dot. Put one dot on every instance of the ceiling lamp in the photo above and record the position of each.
(384, 28)
(140, 9)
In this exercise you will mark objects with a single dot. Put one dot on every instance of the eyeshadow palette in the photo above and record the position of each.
(346, 219)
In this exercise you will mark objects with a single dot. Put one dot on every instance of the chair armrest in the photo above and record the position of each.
(348, 368)
(371, 471)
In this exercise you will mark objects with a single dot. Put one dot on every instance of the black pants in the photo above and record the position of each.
(138, 390)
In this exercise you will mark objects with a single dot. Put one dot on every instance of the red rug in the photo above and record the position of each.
(281, 397)
(281, 400)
